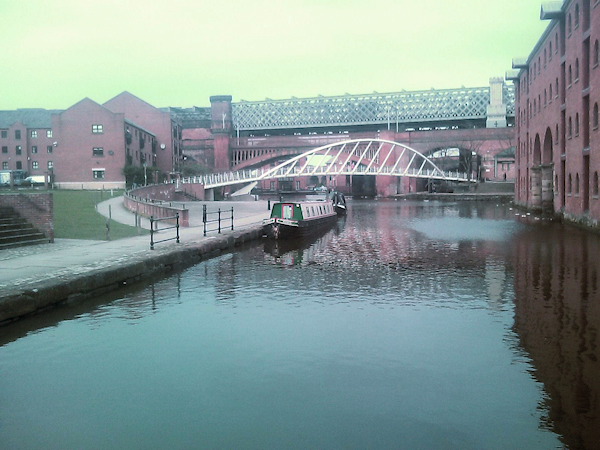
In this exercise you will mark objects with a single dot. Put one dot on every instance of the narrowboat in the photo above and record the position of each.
(291, 220)
(339, 203)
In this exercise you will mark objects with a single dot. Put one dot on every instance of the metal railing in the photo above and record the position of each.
(153, 231)
(207, 219)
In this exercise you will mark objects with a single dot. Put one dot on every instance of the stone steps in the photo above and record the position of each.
(16, 231)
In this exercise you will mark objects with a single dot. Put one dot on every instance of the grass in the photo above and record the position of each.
(75, 216)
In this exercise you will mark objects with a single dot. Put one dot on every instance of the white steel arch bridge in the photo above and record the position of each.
(355, 157)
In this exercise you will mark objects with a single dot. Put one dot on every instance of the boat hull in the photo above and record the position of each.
(276, 228)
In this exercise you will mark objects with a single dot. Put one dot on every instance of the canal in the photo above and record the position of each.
(417, 325)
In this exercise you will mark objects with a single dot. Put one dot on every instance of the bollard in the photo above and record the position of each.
(269, 205)
(151, 233)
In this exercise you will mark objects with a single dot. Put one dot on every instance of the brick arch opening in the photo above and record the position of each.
(537, 151)
(548, 153)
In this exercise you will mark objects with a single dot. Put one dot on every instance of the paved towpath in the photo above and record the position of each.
(26, 266)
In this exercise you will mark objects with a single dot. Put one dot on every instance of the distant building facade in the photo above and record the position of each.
(93, 145)
(557, 93)
(88, 145)
(27, 140)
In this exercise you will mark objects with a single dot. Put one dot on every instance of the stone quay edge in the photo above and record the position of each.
(38, 295)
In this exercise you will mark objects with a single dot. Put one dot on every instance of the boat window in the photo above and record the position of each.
(307, 211)
(286, 212)
(313, 210)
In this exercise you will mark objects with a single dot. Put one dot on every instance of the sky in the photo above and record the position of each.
(54, 53)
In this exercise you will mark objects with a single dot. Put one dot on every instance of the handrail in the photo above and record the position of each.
(206, 220)
(152, 231)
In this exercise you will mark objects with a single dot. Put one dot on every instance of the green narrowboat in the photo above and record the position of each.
(291, 220)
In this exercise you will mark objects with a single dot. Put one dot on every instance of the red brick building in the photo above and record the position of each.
(166, 153)
(88, 145)
(26, 140)
(93, 144)
(556, 114)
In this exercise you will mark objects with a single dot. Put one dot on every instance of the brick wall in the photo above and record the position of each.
(38, 209)
(151, 201)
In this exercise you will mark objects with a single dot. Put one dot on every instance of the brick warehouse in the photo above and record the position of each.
(88, 144)
(557, 91)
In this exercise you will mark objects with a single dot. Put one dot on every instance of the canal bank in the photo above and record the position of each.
(79, 270)
(39, 277)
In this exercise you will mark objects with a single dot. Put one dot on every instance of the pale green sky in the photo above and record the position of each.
(180, 52)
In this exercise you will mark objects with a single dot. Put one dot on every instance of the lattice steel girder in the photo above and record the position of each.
(348, 110)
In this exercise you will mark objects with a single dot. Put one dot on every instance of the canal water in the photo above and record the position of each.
(414, 325)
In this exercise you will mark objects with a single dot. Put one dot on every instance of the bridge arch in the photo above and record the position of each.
(355, 157)
(359, 157)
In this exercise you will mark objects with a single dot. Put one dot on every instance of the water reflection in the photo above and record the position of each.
(406, 317)
(557, 318)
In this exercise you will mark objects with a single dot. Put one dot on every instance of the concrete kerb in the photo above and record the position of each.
(35, 296)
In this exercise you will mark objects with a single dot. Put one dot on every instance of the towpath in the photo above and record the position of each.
(29, 273)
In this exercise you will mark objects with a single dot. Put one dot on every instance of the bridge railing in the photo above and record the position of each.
(246, 176)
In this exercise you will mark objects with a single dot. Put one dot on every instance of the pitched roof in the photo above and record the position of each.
(30, 117)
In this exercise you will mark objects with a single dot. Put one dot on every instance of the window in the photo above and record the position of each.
(595, 191)
(556, 84)
(35, 165)
(18, 150)
(17, 134)
(556, 43)
(286, 211)
(550, 96)
(98, 151)
(50, 165)
(545, 97)
(33, 133)
(569, 25)
(570, 185)
(570, 129)
(550, 52)
(19, 165)
(4, 149)
(33, 149)
(596, 53)
(98, 174)
(577, 124)
(97, 129)
(570, 76)
(4, 133)
(556, 135)
(576, 70)
(48, 133)
(49, 149)
(576, 184)
(577, 16)
(4, 165)
(545, 57)
(595, 116)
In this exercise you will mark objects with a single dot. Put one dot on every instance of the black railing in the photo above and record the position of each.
(152, 230)
(221, 216)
